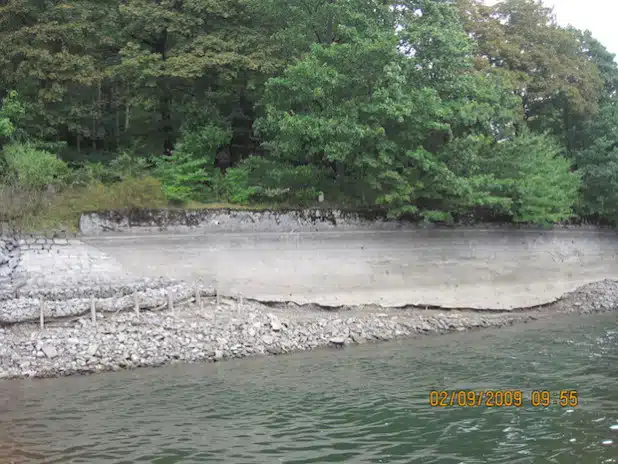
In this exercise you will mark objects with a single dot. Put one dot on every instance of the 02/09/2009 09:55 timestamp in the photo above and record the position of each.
(502, 398)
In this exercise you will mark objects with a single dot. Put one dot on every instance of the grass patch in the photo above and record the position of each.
(31, 210)
(279, 206)
(44, 211)
(239, 207)
(19, 205)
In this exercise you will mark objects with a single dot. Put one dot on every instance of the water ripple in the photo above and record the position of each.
(368, 404)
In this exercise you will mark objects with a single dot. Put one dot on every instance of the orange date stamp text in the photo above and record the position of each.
(502, 398)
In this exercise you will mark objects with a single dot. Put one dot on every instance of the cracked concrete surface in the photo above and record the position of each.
(455, 268)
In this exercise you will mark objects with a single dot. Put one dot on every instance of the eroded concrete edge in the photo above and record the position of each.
(232, 220)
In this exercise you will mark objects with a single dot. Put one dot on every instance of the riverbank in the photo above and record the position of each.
(237, 329)
(337, 280)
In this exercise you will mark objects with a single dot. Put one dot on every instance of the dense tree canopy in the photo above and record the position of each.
(437, 109)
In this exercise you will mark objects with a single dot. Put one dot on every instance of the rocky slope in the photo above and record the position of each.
(234, 329)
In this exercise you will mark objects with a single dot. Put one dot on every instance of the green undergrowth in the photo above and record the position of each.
(37, 211)
(30, 210)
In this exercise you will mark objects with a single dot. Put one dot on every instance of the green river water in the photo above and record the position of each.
(365, 404)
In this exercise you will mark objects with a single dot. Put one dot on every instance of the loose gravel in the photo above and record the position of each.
(237, 328)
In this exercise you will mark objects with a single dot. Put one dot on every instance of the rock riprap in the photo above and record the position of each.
(10, 255)
(213, 332)
(67, 274)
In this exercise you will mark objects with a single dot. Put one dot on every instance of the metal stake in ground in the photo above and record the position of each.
(93, 311)
(42, 316)
(170, 302)
(198, 297)
(136, 300)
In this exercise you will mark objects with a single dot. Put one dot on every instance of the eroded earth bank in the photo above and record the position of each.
(64, 276)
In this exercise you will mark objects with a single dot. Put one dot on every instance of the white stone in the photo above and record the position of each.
(49, 351)
(275, 323)
(93, 349)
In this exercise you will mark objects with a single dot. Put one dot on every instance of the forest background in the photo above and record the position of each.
(434, 110)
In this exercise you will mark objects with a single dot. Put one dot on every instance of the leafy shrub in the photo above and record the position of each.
(87, 173)
(238, 188)
(32, 168)
(260, 179)
(538, 179)
(190, 172)
(6, 127)
(184, 177)
(10, 111)
(437, 216)
(126, 166)
(522, 178)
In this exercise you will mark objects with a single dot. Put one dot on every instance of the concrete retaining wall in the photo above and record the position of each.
(331, 258)
(67, 274)
(227, 220)
(14, 249)
(148, 221)
(335, 258)
(9, 259)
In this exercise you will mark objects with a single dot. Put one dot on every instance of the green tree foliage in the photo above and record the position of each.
(190, 172)
(439, 109)
(597, 140)
(379, 118)
(11, 111)
(33, 168)
(342, 109)
(598, 164)
(48, 54)
(545, 64)
(536, 178)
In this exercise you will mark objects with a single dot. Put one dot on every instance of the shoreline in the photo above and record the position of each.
(457, 276)
(288, 220)
(125, 340)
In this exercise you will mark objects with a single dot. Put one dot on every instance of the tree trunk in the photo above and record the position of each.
(165, 100)
(127, 111)
(330, 27)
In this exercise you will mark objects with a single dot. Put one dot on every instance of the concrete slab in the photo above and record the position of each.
(70, 265)
(467, 268)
